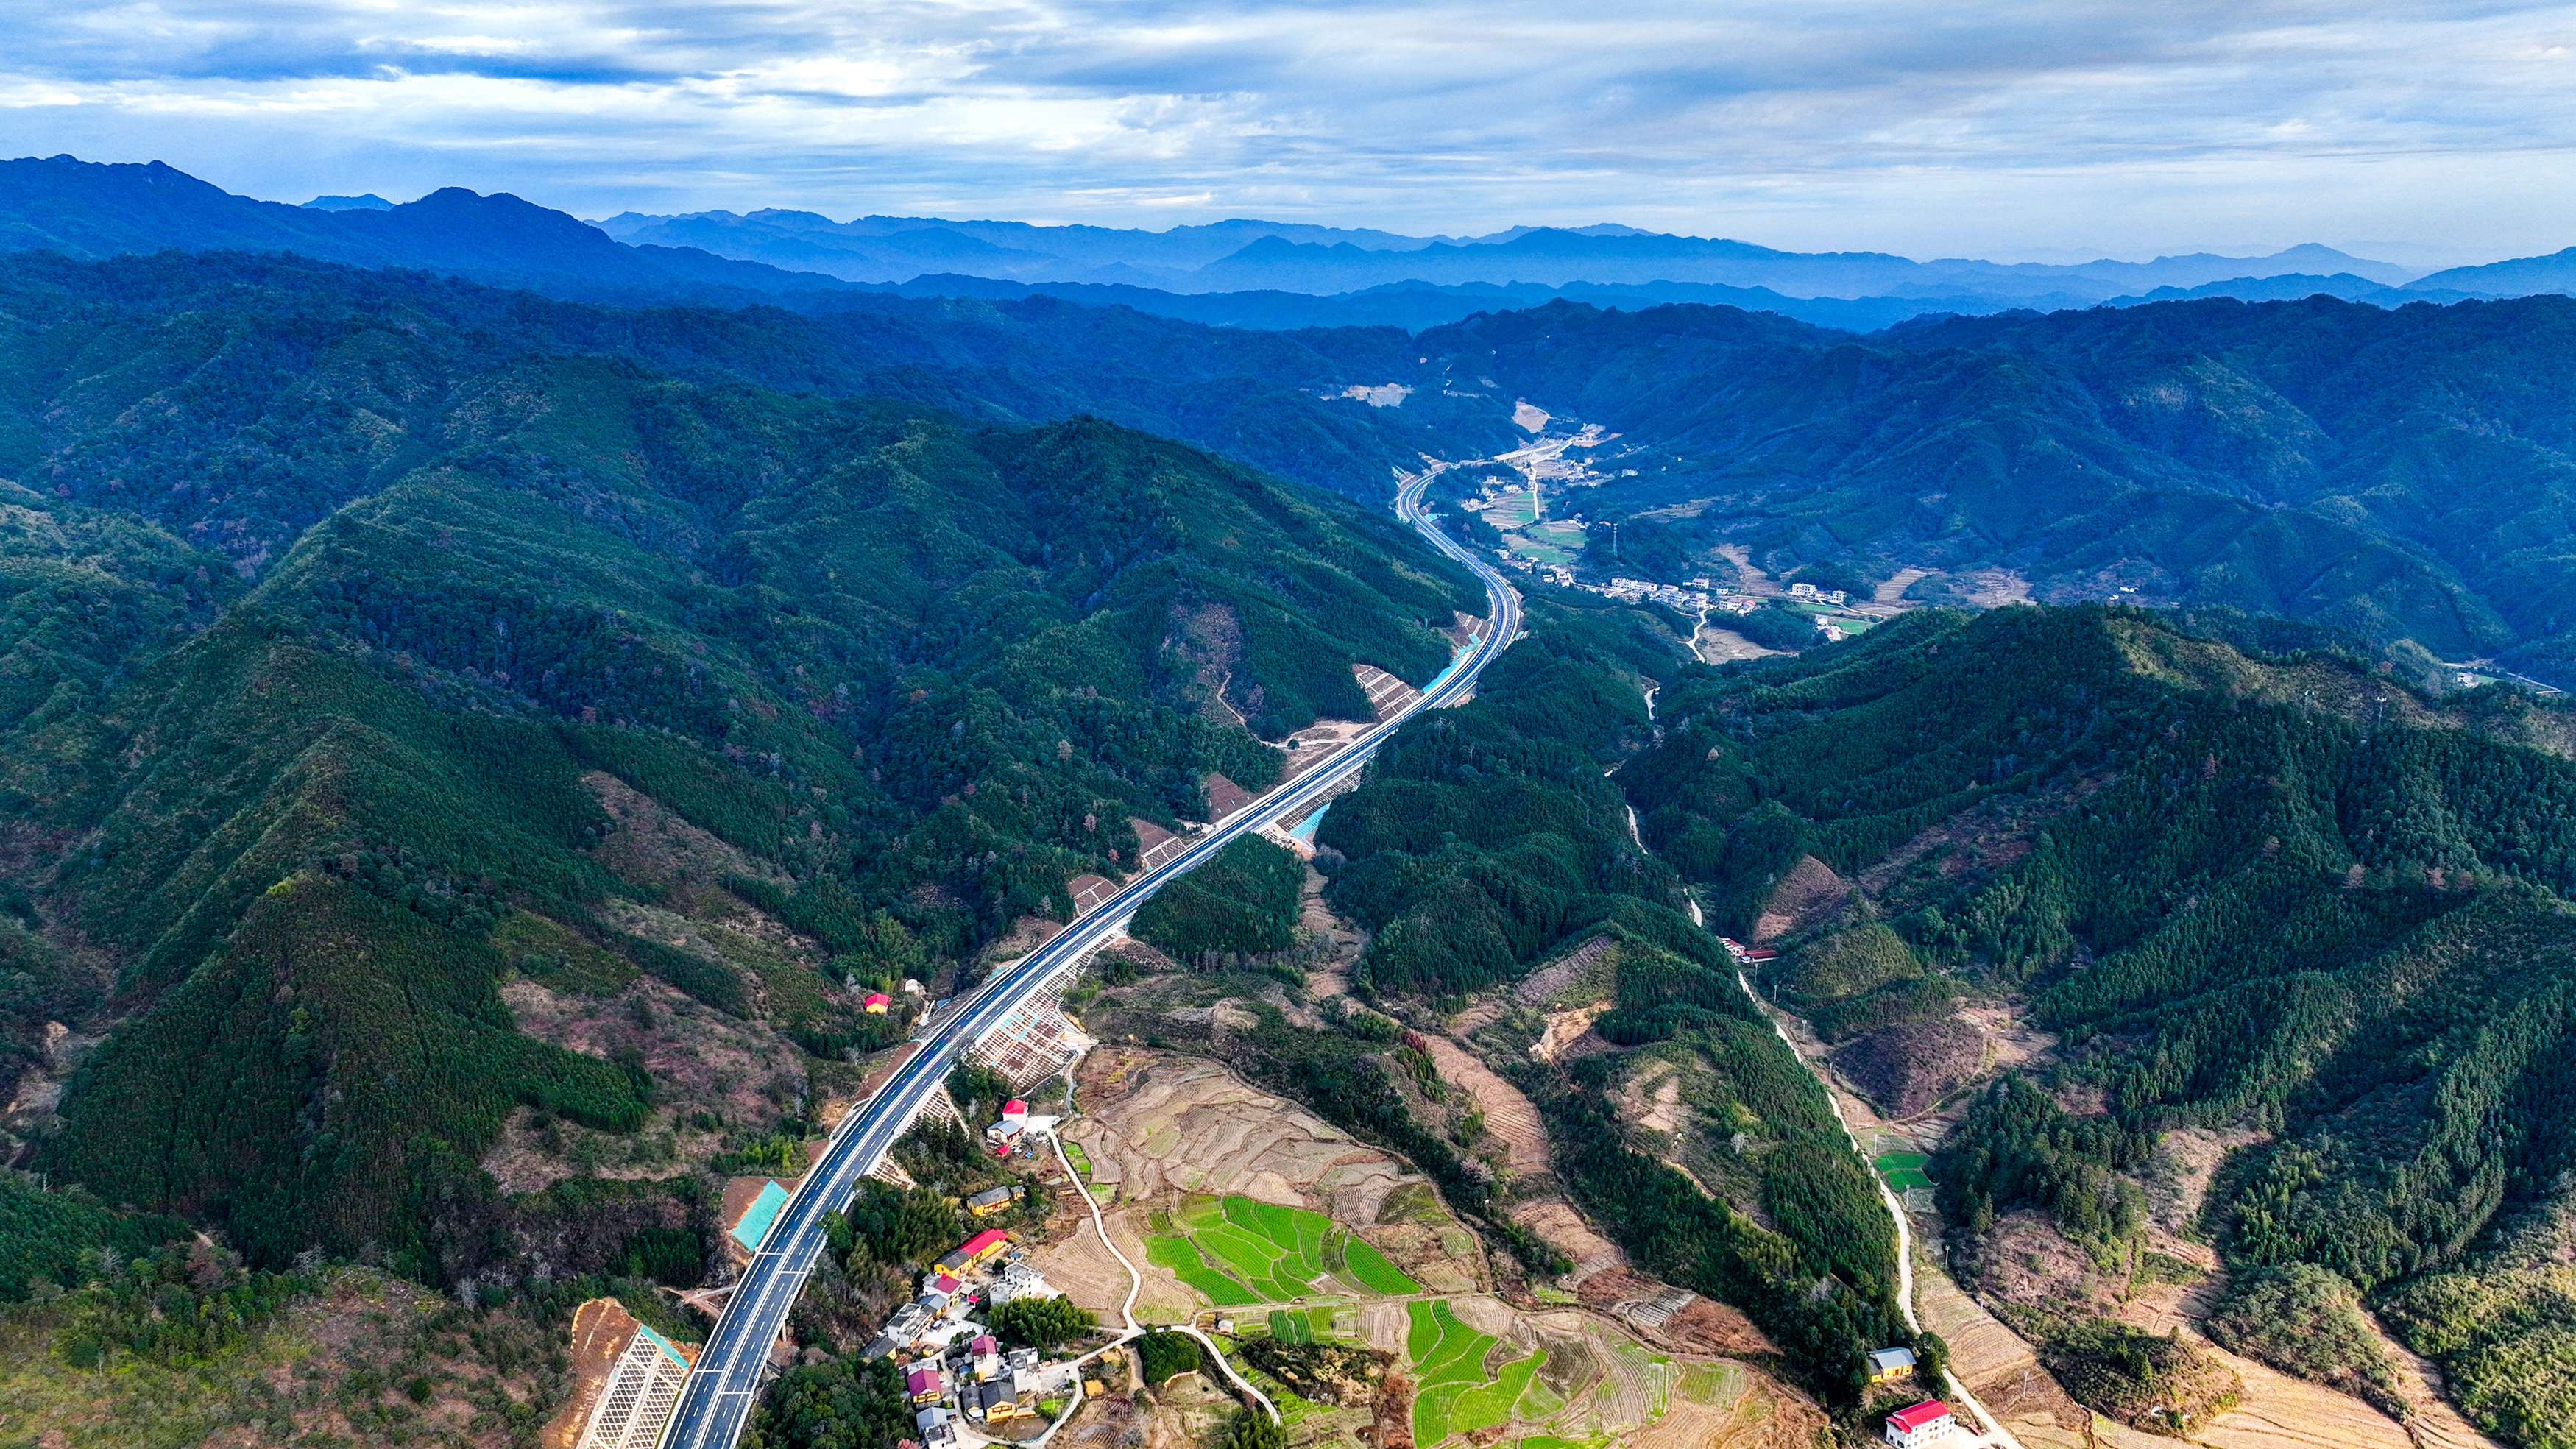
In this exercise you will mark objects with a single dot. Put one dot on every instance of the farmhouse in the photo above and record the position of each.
(1929, 1422)
(974, 1252)
(1887, 1365)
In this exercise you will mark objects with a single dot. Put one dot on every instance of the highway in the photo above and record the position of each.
(721, 1392)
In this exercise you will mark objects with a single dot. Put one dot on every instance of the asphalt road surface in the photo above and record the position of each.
(725, 1386)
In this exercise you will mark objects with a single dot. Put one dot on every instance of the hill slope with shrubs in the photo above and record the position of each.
(2278, 894)
(288, 837)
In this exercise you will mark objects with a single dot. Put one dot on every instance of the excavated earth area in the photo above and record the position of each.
(1158, 1123)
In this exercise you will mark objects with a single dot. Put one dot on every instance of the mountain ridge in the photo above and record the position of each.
(1231, 273)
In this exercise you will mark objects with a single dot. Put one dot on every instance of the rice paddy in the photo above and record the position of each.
(1903, 1169)
(1236, 1250)
(1452, 1395)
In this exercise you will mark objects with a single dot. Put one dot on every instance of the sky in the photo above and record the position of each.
(2048, 130)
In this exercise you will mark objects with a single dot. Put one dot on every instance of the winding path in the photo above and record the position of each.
(1996, 1432)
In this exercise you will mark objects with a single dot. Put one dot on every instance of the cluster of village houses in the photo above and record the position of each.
(956, 1372)
(1691, 596)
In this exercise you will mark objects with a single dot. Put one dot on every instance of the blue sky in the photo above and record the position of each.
(2429, 132)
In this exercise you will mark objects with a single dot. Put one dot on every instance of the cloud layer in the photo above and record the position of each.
(1969, 127)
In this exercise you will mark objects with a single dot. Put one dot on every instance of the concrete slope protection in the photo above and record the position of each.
(721, 1392)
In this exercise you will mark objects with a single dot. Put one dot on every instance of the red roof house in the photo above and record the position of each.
(877, 1003)
(1918, 1425)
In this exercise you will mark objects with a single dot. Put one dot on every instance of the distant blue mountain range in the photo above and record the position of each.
(1238, 273)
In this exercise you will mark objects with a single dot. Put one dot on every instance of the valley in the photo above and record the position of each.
(514, 785)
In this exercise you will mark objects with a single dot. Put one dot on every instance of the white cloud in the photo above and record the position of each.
(1967, 127)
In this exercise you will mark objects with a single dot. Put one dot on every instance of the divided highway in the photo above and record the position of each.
(717, 1402)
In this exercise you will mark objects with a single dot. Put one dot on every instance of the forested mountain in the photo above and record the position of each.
(1241, 272)
(301, 384)
(2277, 896)
(2399, 474)
(1488, 839)
(81, 209)
(297, 807)
(1242, 254)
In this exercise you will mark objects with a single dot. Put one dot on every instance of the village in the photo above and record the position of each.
(1545, 550)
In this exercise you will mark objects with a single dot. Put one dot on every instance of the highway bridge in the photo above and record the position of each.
(725, 1386)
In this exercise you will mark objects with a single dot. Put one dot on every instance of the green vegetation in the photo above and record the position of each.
(922, 672)
(1451, 1391)
(1486, 834)
(2247, 894)
(1253, 1428)
(906, 1227)
(1438, 1344)
(2315, 459)
(841, 1404)
(2505, 1341)
(1242, 903)
(1042, 1322)
(1373, 1271)
(1281, 1252)
(1164, 1353)
(1849, 963)
(2149, 1381)
(2305, 1321)
(1777, 626)
(1822, 1282)
(1181, 1256)
(1291, 1326)
(47, 1237)
(1902, 1169)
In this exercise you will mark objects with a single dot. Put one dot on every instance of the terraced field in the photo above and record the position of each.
(1237, 1250)
(1167, 1250)
(1300, 1325)
(1364, 1263)
(1452, 1394)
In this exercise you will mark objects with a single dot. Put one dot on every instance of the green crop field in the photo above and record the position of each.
(1484, 1405)
(1277, 1253)
(1453, 1394)
(1372, 1271)
(1903, 1169)
(1537, 546)
(1291, 1326)
(1182, 1256)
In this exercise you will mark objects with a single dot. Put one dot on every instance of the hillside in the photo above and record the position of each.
(898, 676)
(2400, 475)
(2393, 475)
(85, 210)
(2262, 902)
(312, 380)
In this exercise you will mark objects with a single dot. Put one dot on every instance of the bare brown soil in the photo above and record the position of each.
(1509, 1116)
(1905, 1069)
(650, 845)
(700, 1058)
(1715, 644)
(1807, 894)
